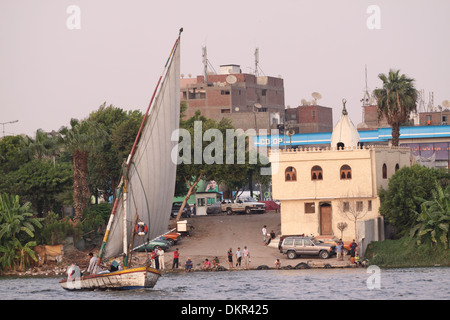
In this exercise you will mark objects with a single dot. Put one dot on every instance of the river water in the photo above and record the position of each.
(312, 284)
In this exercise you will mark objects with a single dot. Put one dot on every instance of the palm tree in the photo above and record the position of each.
(81, 139)
(396, 100)
(43, 146)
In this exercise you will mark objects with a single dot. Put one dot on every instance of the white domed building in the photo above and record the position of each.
(321, 188)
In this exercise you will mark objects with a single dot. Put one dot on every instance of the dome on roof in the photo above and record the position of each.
(344, 133)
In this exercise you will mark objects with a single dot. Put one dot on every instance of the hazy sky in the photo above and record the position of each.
(57, 63)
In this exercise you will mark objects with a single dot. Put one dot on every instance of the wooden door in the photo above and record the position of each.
(325, 219)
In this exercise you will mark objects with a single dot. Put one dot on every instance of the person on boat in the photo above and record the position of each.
(73, 272)
(188, 266)
(93, 267)
(114, 266)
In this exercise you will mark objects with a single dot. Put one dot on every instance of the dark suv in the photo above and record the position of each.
(295, 246)
(186, 210)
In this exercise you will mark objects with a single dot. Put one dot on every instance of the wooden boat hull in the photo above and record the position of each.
(132, 278)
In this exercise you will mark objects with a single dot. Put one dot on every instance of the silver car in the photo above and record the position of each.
(295, 246)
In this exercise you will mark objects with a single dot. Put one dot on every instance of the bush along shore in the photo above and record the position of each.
(405, 253)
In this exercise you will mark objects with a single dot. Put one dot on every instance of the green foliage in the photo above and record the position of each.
(395, 100)
(17, 228)
(434, 218)
(39, 182)
(405, 252)
(407, 189)
(96, 217)
(121, 128)
(56, 230)
(11, 156)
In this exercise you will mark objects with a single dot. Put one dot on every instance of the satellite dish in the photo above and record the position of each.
(231, 79)
(258, 105)
(290, 132)
(236, 109)
(316, 95)
(446, 103)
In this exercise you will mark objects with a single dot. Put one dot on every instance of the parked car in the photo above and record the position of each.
(172, 237)
(152, 245)
(334, 240)
(187, 213)
(215, 208)
(295, 246)
(245, 205)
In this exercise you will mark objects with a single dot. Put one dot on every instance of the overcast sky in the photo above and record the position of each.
(59, 62)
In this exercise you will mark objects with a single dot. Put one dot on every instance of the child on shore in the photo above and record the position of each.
(277, 264)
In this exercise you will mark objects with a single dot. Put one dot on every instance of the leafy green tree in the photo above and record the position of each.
(39, 182)
(43, 146)
(17, 228)
(81, 139)
(11, 156)
(434, 218)
(121, 128)
(189, 170)
(396, 100)
(406, 189)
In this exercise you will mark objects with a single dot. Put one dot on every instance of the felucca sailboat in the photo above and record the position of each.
(144, 197)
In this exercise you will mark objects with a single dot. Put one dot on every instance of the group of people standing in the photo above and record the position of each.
(157, 258)
(241, 256)
(354, 257)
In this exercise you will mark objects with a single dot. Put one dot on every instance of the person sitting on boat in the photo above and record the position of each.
(73, 272)
(93, 267)
(206, 265)
(189, 264)
(114, 266)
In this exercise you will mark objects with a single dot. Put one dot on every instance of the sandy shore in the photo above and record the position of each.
(213, 235)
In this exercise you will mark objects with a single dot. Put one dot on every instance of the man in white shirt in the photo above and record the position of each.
(93, 268)
(264, 231)
(161, 259)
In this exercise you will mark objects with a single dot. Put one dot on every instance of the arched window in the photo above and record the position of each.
(346, 172)
(397, 167)
(340, 146)
(290, 174)
(384, 171)
(316, 173)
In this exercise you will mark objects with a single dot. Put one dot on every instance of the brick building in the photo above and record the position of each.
(309, 119)
(249, 101)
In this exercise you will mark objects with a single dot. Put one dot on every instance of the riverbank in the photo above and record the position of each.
(213, 235)
(405, 253)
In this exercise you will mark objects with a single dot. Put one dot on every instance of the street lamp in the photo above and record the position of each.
(3, 123)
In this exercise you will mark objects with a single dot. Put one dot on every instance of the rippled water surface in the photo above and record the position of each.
(411, 283)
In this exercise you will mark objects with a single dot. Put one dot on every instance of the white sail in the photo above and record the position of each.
(151, 172)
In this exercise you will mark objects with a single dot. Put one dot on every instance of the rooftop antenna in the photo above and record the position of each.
(206, 63)
(431, 102)
(366, 101)
(257, 68)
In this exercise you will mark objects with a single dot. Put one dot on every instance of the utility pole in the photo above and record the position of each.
(3, 123)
